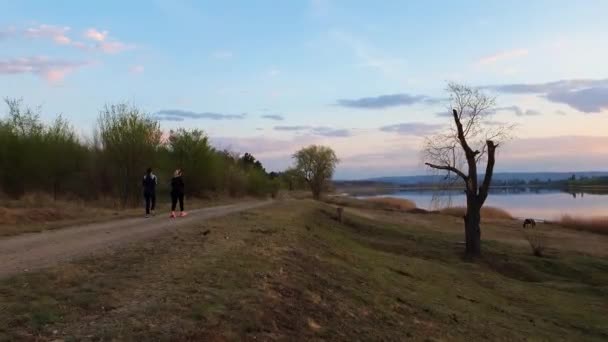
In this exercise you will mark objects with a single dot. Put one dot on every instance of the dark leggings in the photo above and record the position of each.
(150, 202)
(177, 197)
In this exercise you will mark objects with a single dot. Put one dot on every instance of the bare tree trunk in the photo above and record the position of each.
(472, 228)
(316, 193)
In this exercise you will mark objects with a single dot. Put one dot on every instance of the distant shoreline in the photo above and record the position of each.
(379, 189)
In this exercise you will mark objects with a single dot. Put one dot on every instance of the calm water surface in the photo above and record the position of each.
(546, 204)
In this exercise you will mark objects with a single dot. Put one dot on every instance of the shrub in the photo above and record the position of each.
(536, 239)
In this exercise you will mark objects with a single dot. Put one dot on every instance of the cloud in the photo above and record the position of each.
(501, 56)
(136, 69)
(560, 112)
(412, 128)
(94, 34)
(113, 47)
(584, 95)
(102, 42)
(331, 132)
(262, 145)
(548, 87)
(558, 153)
(55, 33)
(273, 117)
(444, 114)
(386, 101)
(58, 34)
(518, 111)
(590, 100)
(52, 70)
(167, 118)
(317, 130)
(184, 114)
(291, 128)
(222, 54)
(399, 157)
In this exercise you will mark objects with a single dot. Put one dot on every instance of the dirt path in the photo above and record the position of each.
(29, 252)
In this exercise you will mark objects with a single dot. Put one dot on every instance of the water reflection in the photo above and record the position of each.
(539, 203)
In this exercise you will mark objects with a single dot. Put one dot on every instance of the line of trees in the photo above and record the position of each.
(39, 157)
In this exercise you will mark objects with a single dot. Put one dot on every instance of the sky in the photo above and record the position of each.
(367, 78)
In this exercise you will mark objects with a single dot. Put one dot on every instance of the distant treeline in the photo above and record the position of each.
(573, 181)
(40, 157)
(433, 182)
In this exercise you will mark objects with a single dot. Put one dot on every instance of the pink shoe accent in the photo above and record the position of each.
(183, 213)
(172, 214)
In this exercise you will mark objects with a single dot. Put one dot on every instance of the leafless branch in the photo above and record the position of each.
(449, 169)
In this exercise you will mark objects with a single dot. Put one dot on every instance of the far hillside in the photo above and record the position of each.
(500, 178)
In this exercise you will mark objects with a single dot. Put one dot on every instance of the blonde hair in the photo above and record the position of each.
(177, 173)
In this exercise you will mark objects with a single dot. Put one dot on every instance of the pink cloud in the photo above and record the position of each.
(113, 47)
(55, 75)
(108, 47)
(58, 34)
(55, 33)
(103, 43)
(94, 34)
(52, 70)
(501, 56)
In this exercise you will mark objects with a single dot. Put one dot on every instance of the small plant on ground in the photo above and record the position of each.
(537, 241)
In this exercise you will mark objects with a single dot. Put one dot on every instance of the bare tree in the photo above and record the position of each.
(470, 141)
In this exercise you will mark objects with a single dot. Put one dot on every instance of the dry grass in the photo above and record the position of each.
(597, 225)
(292, 272)
(486, 213)
(392, 202)
(373, 203)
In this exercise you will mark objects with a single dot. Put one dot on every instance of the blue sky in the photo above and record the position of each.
(271, 76)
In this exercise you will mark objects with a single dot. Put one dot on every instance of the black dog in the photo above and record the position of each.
(529, 222)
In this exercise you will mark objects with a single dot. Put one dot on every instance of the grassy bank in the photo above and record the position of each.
(292, 272)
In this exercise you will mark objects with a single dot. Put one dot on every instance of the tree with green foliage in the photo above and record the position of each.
(316, 165)
(51, 158)
(130, 139)
(60, 141)
(190, 151)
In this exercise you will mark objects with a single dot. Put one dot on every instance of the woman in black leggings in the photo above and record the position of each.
(177, 193)
(149, 184)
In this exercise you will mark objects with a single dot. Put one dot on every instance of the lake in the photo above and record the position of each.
(548, 204)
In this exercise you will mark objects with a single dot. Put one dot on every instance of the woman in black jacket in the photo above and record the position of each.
(177, 193)
(149, 184)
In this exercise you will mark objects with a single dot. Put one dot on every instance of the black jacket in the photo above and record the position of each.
(149, 183)
(177, 185)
